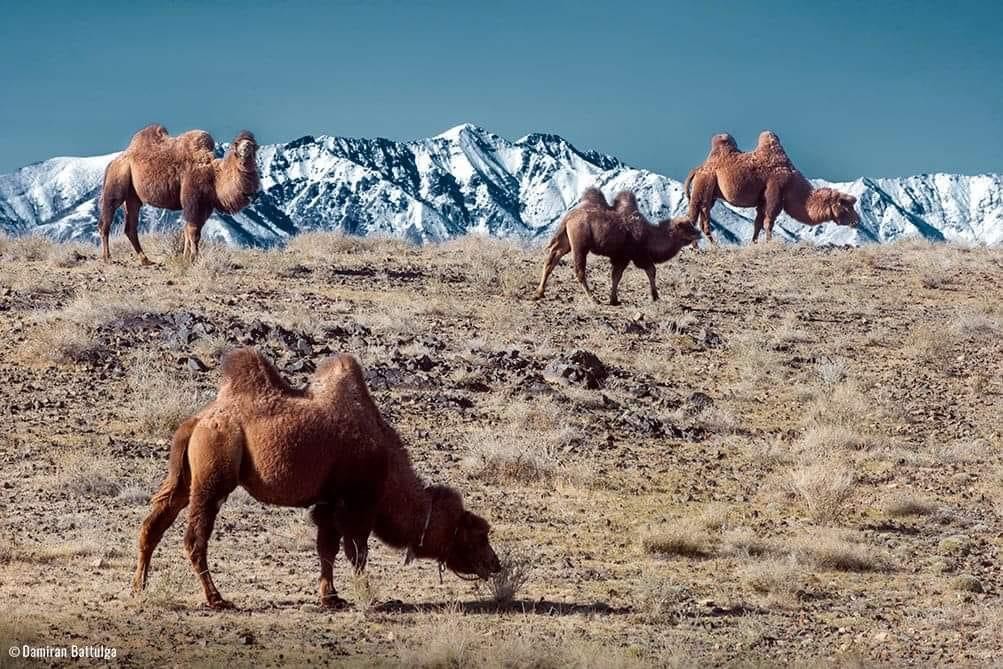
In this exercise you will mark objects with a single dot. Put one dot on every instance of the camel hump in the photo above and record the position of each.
(197, 143)
(246, 371)
(593, 197)
(340, 375)
(625, 201)
(151, 135)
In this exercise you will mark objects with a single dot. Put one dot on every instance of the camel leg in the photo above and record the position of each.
(557, 252)
(581, 274)
(650, 271)
(214, 456)
(618, 268)
(705, 226)
(328, 542)
(110, 202)
(132, 207)
(758, 224)
(165, 510)
(193, 233)
(773, 203)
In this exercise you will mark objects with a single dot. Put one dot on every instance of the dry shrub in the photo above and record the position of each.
(169, 585)
(930, 345)
(659, 597)
(683, 538)
(514, 574)
(69, 254)
(86, 475)
(744, 542)
(966, 451)
(450, 642)
(787, 333)
(331, 247)
(905, 504)
(836, 551)
(162, 397)
(822, 487)
(831, 371)
(27, 248)
(975, 324)
(63, 343)
(492, 265)
(782, 581)
(719, 420)
(365, 590)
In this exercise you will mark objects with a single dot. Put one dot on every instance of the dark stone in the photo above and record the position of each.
(699, 401)
(581, 367)
(196, 365)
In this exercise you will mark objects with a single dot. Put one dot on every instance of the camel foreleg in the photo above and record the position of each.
(328, 543)
(617, 274)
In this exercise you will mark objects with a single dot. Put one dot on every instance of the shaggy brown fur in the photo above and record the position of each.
(765, 179)
(622, 234)
(178, 173)
(325, 446)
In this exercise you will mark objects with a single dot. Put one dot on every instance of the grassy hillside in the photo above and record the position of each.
(793, 457)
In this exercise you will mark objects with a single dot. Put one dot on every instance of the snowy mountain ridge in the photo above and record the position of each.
(468, 180)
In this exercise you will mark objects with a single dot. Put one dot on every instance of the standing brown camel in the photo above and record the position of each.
(620, 233)
(181, 174)
(765, 179)
(325, 446)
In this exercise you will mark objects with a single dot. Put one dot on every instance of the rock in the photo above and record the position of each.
(709, 338)
(303, 347)
(247, 639)
(196, 365)
(699, 401)
(581, 367)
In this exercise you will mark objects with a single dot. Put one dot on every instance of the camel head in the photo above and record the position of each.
(683, 229)
(246, 148)
(458, 538)
(841, 207)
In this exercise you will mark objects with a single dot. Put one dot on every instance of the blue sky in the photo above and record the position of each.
(853, 88)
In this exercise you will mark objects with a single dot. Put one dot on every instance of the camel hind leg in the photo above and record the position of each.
(558, 248)
(328, 543)
(214, 454)
(166, 503)
(115, 190)
(132, 206)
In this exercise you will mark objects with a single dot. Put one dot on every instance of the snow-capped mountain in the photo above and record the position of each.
(469, 180)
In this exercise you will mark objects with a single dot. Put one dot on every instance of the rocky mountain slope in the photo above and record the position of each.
(469, 180)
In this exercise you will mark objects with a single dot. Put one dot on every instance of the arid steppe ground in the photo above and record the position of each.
(793, 457)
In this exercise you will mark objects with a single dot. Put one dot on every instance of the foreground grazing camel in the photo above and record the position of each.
(765, 179)
(325, 446)
(178, 173)
(620, 233)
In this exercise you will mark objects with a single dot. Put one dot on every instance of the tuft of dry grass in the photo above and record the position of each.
(975, 324)
(26, 248)
(514, 574)
(744, 542)
(684, 538)
(364, 590)
(500, 458)
(905, 504)
(162, 398)
(831, 371)
(822, 487)
(85, 474)
(835, 551)
(782, 581)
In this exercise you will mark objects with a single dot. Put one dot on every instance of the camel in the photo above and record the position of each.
(766, 179)
(181, 174)
(325, 446)
(620, 233)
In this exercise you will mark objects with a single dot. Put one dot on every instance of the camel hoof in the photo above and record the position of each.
(220, 605)
(334, 603)
(614, 303)
(146, 262)
(537, 297)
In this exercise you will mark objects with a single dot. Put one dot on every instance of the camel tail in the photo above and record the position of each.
(561, 235)
(178, 472)
(689, 178)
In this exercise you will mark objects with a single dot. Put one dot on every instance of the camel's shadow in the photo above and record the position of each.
(540, 607)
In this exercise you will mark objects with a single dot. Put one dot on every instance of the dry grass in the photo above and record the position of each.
(515, 572)
(835, 551)
(906, 504)
(26, 248)
(85, 474)
(782, 581)
(453, 643)
(506, 458)
(744, 542)
(685, 538)
(823, 488)
(975, 324)
(364, 590)
(162, 397)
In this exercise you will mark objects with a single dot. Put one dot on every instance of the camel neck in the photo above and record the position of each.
(803, 203)
(405, 508)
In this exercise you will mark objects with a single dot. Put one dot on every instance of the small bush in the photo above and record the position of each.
(833, 551)
(743, 542)
(500, 458)
(684, 538)
(162, 398)
(822, 487)
(904, 504)
(514, 574)
(782, 580)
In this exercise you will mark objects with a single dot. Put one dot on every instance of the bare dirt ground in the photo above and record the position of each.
(794, 457)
